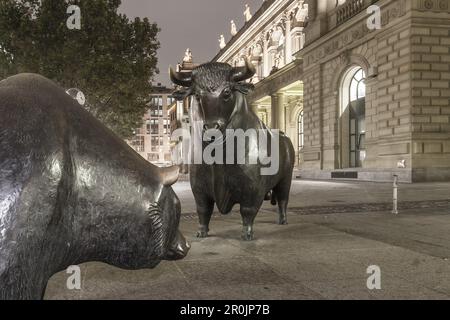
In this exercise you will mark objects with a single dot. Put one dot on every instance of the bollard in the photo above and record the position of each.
(395, 197)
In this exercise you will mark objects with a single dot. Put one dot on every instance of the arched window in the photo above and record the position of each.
(301, 131)
(353, 118)
(353, 87)
(358, 86)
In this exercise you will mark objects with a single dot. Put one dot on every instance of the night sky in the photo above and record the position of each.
(194, 24)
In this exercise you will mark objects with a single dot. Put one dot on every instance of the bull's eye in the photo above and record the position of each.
(226, 94)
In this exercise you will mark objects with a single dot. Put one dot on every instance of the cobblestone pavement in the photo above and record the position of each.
(344, 193)
(353, 208)
(336, 231)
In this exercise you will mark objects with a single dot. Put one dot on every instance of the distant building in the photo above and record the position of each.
(152, 140)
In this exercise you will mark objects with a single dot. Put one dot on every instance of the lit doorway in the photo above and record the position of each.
(353, 119)
(301, 134)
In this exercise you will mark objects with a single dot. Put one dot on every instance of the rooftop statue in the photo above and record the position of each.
(247, 13)
(233, 28)
(188, 56)
(222, 43)
(302, 12)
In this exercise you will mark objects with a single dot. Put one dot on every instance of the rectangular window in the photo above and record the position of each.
(170, 100)
(154, 129)
(138, 143)
(155, 141)
(153, 157)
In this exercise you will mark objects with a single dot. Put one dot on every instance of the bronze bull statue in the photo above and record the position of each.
(219, 91)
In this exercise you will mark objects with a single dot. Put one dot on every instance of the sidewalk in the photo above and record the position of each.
(319, 255)
(341, 193)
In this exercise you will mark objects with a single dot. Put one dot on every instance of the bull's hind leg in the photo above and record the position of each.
(281, 193)
(248, 218)
(205, 208)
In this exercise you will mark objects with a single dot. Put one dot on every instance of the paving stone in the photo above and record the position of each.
(323, 253)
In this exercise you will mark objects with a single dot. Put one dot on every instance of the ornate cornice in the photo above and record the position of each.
(285, 76)
(432, 5)
(343, 37)
(271, 14)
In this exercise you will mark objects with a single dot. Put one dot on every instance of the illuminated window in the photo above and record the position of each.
(138, 143)
(353, 119)
(301, 131)
(353, 87)
(358, 86)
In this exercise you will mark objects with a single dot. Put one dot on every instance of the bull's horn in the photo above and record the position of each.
(183, 79)
(170, 175)
(243, 73)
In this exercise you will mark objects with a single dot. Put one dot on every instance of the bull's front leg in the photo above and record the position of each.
(248, 215)
(205, 208)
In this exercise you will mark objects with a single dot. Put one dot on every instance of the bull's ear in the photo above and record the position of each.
(244, 87)
(170, 175)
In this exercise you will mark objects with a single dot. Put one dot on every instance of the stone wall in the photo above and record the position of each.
(430, 74)
(408, 92)
(312, 152)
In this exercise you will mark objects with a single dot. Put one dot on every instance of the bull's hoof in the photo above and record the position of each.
(202, 234)
(247, 236)
(283, 222)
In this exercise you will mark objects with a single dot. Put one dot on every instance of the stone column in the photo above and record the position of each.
(266, 69)
(302, 40)
(281, 116)
(278, 112)
(288, 41)
(274, 111)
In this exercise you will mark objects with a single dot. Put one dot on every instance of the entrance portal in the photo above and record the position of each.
(352, 120)
(357, 133)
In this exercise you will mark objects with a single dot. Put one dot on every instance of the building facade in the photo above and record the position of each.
(362, 87)
(269, 39)
(152, 140)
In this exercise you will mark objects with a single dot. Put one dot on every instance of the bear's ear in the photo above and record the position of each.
(244, 87)
(182, 94)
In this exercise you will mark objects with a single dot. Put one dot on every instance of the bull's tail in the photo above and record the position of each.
(271, 196)
(273, 200)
